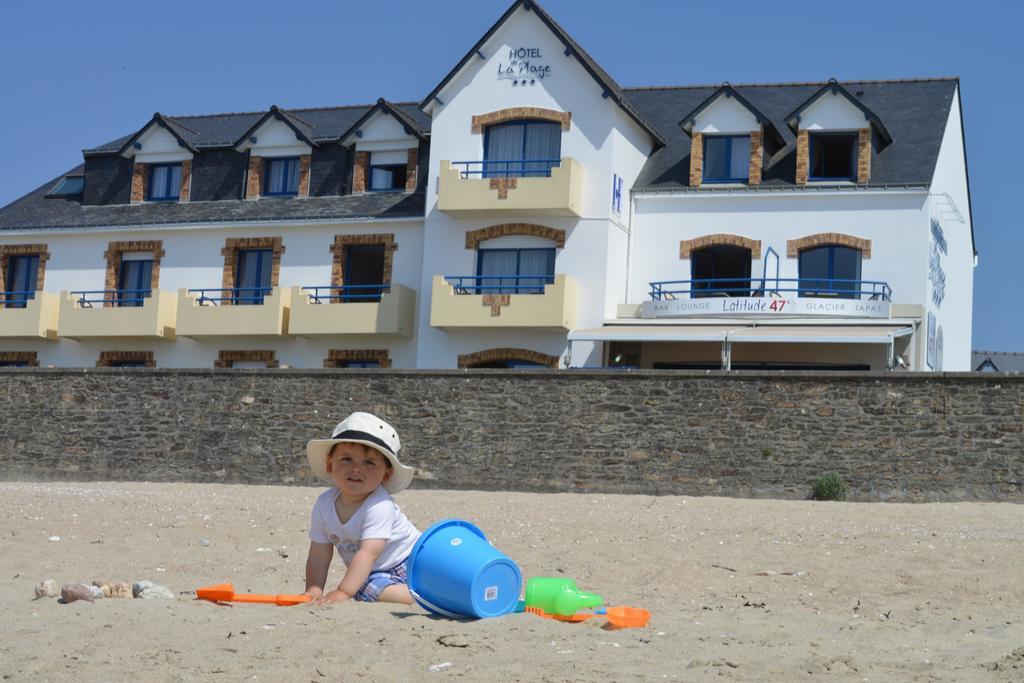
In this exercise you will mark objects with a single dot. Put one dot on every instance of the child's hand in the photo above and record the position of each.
(331, 598)
(314, 593)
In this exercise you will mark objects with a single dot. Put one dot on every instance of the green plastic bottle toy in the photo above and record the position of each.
(559, 596)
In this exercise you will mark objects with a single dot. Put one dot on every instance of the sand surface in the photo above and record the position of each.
(882, 592)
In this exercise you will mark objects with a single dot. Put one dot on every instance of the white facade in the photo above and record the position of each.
(613, 249)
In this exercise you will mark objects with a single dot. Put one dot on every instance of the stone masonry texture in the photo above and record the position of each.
(891, 437)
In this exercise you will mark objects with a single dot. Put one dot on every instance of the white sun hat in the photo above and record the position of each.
(368, 430)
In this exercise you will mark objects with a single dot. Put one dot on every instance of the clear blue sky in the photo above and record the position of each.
(77, 74)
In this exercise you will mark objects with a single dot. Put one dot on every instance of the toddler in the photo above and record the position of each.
(358, 516)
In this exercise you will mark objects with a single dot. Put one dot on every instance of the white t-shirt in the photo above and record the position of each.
(377, 517)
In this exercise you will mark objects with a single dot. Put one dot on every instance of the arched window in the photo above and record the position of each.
(830, 270)
(522, 149)
(720, 270)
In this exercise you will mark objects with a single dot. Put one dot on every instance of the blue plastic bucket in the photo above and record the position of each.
(453, 570)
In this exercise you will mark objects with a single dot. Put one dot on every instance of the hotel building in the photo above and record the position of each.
(529, 211)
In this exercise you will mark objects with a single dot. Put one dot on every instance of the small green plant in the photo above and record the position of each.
(766, 453)
(828, 486)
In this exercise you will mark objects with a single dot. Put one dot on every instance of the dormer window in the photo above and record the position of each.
(833, 156)
(164, 182)
(281, 177)
(726, 158)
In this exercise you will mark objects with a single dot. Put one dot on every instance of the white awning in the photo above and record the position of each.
(821, 334)
(653, 333)
(796, 334)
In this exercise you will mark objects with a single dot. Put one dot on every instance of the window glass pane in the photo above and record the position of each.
(173, 181)
(21, 278)
(157, 182)
(252, 275)
(739, 161)
(381, 178)
(504, 143)
(292, 171)
(68, 186)
(364, 272)
(494, 264)
(540, 262)
(813, 271)
(135, 275)
(543, 141)
(846, 266)
(714, 158)
(282, 176)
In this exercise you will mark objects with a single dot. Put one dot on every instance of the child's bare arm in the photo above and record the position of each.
(317, 565)
(358, 570)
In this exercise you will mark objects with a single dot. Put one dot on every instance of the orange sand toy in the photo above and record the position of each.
(225, 592)
(619, 617)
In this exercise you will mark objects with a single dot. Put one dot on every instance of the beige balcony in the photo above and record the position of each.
(554, 309)
(155, 318)
(214, 319)
(392, 315)
(38, 320)
(560, 194)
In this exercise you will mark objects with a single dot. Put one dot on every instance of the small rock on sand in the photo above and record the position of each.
(47, 589)
(114, 589)
(147, 590)
(70, 592)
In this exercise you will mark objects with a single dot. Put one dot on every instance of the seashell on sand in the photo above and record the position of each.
(47, 589)
(114, 589)
(71, 592)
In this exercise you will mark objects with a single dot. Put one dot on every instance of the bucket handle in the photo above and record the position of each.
(434, 608)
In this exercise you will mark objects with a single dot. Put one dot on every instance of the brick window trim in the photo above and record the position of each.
(254, 176)
(9, 250)
(343, 242)
(756, 160)
(115, 252)
(30, 358)
(336, 358)
(471, 360)
(803, 156)
(481, 121)
(475, 237)
(109, 359)
(230, 252)
(361, 171)
(140, 182)
(687, 247)
(794, 247)
(227, 359)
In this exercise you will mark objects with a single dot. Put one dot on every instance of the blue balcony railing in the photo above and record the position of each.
(16, 298)
(513, 168)
(239, 296)
(499, 284)
(329, 294)
(803, 287)
(118, 297)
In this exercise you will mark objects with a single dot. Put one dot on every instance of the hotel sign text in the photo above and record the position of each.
(524, 67)
(765, 306)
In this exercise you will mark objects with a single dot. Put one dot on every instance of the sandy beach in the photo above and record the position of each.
(739, 589)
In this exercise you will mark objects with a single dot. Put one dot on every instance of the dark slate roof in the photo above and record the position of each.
(914, 113)
(1003, 362)
(35, 211)
(325, 124)
(611, 88)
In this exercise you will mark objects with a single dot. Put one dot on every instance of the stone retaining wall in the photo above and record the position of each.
(894, 437)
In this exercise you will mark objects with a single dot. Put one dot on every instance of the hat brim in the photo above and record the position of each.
(317, 450)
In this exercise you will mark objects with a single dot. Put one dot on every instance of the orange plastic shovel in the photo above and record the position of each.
(225, 592)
